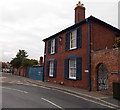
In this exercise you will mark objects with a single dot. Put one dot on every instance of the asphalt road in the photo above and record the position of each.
(17, 93)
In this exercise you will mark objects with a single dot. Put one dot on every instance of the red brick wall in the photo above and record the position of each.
(15, 70)
(22, 71)
(101, 36)
(110, 58)
(79, 14)
(62, 54)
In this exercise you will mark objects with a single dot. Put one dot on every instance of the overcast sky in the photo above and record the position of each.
(25, 23)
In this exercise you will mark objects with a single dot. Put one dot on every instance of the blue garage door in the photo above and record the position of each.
(36, 73)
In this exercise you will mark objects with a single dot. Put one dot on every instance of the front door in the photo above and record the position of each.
(102, 78)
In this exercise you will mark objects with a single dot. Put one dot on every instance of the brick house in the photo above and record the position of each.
(67, 56)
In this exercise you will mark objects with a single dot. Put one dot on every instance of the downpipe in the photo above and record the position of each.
(89, 56)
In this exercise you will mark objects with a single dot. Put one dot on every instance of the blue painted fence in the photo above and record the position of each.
(36, 73)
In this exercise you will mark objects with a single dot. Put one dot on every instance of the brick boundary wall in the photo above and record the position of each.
(111, 58)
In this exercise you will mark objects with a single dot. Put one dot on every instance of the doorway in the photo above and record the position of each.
(102, 77)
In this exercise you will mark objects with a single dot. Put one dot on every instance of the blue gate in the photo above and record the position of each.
(36, 73)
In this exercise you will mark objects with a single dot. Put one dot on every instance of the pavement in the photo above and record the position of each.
(94, 95)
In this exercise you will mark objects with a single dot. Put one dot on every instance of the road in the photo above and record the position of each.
(17, 93)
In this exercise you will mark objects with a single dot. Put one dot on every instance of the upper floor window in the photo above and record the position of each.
(73, 39)
(73, 36)
(53, 46)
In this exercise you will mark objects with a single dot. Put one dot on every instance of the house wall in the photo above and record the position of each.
(110, 57)
(101, 36)
(62, 54)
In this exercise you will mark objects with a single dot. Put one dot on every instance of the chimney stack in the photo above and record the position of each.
(41, 61)
(79, 12)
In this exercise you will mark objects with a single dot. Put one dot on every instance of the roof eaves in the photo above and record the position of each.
(67, 29)
(108, 25)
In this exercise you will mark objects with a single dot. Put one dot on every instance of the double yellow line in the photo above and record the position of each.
(71, 94)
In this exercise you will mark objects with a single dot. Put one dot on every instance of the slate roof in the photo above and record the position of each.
(84, 21)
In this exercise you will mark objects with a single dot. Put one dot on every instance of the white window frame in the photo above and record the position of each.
(52, 46)
(51, 68)
(72, 67)
(73, 38)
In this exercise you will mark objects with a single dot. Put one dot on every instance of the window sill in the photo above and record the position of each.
(74, 79)
(73, 48)
(52, 53)
(51, 76)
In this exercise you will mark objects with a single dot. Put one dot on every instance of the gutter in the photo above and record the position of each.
(89, 56)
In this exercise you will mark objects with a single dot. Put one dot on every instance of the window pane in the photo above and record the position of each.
(51, 69)
(72, 68)
(53, 46)
(73, 39)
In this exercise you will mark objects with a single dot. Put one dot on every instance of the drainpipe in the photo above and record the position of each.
(89, 56)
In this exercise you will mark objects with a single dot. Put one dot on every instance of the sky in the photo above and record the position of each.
(25, 23)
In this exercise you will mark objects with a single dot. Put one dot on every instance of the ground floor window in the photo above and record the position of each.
(51, 69)
(72, 68)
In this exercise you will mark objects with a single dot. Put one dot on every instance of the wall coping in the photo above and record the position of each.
(106, 50)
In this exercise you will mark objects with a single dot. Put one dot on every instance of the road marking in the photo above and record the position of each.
(40, 86)
(19, 83)
(86, 99)
(52, 103)
(2, 81)
(26, 84)
(12, 82)
(103, 97)
(90, 96)
(99, 99)
(2, 77)
(110, 103)
(15, 89)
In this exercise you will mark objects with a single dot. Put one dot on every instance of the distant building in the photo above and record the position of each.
(67, 56)
(6, 67)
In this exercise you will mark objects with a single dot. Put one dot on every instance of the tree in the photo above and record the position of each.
(18, 60)
(117, 42)
(22, 60)
(30, 62)
(22, 54)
